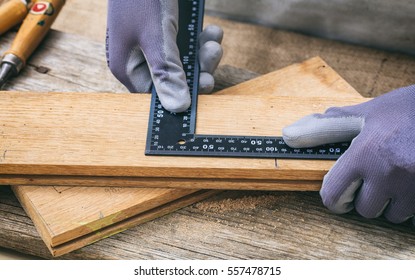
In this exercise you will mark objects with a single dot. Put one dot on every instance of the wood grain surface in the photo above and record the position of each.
(69, 218)
(72, 217)
(285, 225)
(233, 225)
(262, 50)
(84, 134)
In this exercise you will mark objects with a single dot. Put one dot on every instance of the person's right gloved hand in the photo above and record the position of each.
(142, 50)
(376, 175)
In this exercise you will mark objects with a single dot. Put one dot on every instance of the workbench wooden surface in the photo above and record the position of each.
(70, 218)
(233, 225)
(262, 50)
(241, 225)
(90, 213)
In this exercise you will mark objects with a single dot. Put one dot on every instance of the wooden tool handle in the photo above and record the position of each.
(12, 13)
(35, 27)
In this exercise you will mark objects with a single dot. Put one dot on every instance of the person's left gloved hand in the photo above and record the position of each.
(376, 175)
(142, 49)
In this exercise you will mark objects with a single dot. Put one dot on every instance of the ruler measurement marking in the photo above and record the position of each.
(175, 134)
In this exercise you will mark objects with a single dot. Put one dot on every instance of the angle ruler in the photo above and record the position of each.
(175, 134)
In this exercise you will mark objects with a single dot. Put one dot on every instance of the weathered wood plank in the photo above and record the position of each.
(77, 216)
(351, 237)
(99, 215)
(233, 225)
(75, 219)
(167, 182)
(74, 134)
(64, 214)
(60, 227)
(262, 50)
(64, 63)
(76, 224)
(370, 71)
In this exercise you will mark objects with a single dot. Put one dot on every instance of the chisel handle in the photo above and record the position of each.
(34, 28)
(12, 13)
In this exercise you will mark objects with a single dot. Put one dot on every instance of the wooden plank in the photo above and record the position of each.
(68, 218)
(78, 134)
(54, 228)
(262, 49)
(34, 201)
(71, 218)
(285, 225)
(74, 224)
(190, 184)
(232, 225)
(77, 217)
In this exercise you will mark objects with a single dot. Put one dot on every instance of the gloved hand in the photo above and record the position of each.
(142, 49)
(377, 173)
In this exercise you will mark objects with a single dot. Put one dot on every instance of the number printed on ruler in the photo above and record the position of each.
(174, 134)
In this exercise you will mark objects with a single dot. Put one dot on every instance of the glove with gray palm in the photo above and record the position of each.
(376, 175)
(142, 50)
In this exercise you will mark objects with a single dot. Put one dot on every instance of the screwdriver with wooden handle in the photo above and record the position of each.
(32, 31)
(12, 13)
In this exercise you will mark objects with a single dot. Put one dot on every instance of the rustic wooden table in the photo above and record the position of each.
(232, 225)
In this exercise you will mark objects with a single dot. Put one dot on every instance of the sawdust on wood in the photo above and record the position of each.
(233, 202)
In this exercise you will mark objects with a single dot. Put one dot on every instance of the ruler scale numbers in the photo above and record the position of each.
(175, 134)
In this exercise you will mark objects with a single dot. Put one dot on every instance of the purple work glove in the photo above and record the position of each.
(142, 49)
(376, 175)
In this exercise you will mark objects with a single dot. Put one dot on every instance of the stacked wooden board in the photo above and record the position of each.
(89, 139)
(233, 225)
(71, 217)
